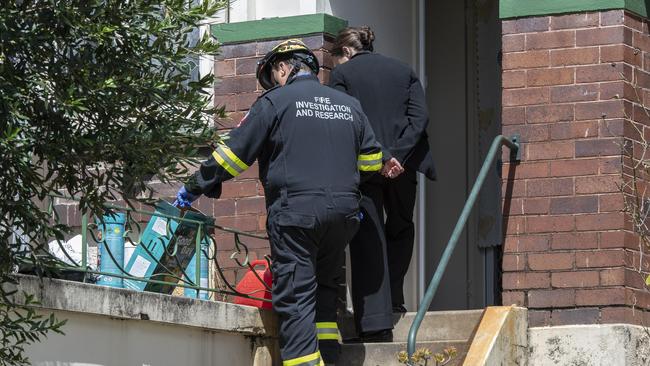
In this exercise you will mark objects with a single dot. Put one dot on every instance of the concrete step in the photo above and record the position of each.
(436, 326)
(385, 354)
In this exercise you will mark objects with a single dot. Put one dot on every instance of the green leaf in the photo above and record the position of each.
(110, 83)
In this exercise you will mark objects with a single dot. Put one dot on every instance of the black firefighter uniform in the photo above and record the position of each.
(311, 142)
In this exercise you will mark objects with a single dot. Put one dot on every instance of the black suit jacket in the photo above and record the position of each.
(392, 97)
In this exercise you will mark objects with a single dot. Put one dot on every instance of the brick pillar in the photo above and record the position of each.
(242, 204)
(570, 254)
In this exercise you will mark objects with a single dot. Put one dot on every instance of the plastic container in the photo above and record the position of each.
(191, 274)
(112, 238)
(252, 286)
(161, 238)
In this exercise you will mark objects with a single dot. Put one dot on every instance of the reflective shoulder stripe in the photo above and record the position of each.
(228, 160)
(233, 157)
(224, 164)
(327, 331)
(309, 360)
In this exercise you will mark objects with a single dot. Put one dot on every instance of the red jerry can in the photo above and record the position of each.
(252, 286)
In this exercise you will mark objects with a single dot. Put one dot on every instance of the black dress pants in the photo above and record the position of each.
(381, 250)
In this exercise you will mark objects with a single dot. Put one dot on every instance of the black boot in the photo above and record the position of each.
(397, 309)
(378, 336)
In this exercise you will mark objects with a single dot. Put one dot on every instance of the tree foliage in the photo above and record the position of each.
(95, 98)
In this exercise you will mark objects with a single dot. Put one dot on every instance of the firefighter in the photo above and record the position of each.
(311, 142)
(392, 97)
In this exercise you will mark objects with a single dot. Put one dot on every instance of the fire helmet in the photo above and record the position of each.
(300, 54)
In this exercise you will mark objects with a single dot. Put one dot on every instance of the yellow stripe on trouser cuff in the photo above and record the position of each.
(229, 161)
(327, 331)
(309, 360)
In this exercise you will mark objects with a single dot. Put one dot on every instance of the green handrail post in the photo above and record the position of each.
(197, 263)
(515, 155)
(84, 242)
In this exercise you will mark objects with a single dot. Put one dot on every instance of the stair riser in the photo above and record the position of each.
(436, 326)
(385, 354)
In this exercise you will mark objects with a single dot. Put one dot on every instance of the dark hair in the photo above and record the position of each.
(358, 38)
(290, 58)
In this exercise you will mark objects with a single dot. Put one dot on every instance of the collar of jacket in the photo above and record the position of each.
(362, 52)
(303, 77)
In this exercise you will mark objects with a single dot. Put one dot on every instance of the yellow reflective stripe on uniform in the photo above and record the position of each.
(370, 162)
(309, 360)
(228, 160)
(327, 331)
(370, 168)
(233, 157)
(327, 337)
(224, 164)
(320, 325)
(376, 156)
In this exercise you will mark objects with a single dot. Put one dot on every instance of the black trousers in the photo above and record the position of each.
(308, 235)
(381, 250)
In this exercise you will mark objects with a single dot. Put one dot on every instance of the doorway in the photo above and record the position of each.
(463, 72)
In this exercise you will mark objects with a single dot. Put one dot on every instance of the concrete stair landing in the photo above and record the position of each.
(439, 330)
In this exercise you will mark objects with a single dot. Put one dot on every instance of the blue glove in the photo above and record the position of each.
(184, 198)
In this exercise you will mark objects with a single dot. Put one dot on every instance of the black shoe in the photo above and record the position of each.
(378, 336)
(399, 309)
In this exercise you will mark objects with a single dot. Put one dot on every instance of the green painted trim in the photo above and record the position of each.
(526, 8)
(274, 28)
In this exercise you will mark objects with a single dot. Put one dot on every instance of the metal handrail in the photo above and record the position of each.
(513, 144)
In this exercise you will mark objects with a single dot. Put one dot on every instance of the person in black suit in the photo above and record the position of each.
(393, 99)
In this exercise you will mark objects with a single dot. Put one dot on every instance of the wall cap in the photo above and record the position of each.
(529, 8)
(275, 28)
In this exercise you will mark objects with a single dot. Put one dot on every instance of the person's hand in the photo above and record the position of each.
(392, 169)
(184, 198)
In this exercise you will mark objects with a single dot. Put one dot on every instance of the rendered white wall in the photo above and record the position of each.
(589, 345)
(92, 340)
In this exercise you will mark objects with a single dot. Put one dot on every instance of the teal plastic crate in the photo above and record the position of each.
(157, 244)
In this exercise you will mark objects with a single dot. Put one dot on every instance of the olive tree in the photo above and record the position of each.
(96, 97)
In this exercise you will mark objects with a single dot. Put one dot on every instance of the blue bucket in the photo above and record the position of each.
(112, 238)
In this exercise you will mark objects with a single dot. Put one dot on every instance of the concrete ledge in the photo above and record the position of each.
(501, 338)
(126, 304)
(593, 345)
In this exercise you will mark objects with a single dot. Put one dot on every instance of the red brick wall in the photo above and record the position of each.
(569, 252)
(242, 203)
